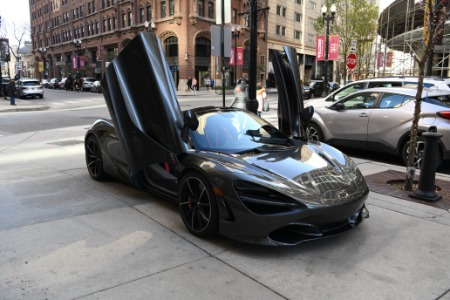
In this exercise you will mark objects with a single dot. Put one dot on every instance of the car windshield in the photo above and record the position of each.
(236, 132)
(29, 83)
(309, 83)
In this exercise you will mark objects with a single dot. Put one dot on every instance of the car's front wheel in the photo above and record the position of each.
(418, 154)
(315, 133)
(94, 160)
(198, 205)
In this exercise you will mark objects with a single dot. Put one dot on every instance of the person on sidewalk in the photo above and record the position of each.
(194, 84)
(11, 91)
(261, 97)
(189, 84)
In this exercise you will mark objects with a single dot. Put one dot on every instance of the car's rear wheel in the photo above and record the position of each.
(94, 160)
(315, 133)
(198, 205)
(419, 151)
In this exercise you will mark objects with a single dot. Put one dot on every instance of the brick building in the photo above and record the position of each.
(85, 35)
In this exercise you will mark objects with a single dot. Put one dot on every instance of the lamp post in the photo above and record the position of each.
(327, 18)
(235, 32)
(77, 44)
(152, 25)
(42, 51)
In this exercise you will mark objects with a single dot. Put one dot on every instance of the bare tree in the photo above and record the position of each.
(436, 13)
(20, 32)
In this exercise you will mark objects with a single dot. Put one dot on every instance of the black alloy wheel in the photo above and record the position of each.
(198, 206)
(94, 160)
(418, 155)
(315, 133)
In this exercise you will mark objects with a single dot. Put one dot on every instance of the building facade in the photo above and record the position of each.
(85, 35)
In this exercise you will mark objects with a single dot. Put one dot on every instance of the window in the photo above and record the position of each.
(211, 10)
(297, 35)
(298, 17)
(89, 7)
(124, 20)
(130, 18)
(171, 47)
(312, 6)
(104, 25)
(202, 47)
(149, 13)
(163, 9)
(311, 38)
(234, 16)
(201, 8)
(171, 7)
(298, 1)
(141, 15)
(392, 100)
(281, 30)
(311, 22)
(109, 24)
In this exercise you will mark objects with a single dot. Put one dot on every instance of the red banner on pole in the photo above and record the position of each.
(333, 53)
(75, 62)
(239, 56)
(320, 48)
(389, 59)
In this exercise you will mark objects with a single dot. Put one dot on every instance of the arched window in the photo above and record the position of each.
(202, 47)
(171, 46)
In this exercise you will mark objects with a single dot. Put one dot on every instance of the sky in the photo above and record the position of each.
(14, 10)
(19, 11)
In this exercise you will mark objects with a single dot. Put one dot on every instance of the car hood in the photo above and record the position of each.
(141, 97)
(313, 173)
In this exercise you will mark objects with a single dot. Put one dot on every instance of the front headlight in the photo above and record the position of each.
(264, 201)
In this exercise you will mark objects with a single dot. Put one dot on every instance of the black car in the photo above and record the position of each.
(316, 88)
(229, 171)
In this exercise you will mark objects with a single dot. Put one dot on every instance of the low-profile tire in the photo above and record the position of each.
(315, 133)
(420, 147)
(198, 205)
(94, 160)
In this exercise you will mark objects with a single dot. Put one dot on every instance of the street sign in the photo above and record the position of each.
(353, 46)
(351, 61)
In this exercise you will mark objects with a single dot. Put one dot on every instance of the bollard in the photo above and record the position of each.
(426, 189)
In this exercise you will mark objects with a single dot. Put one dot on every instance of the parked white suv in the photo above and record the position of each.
(29, 87)
(428, 82)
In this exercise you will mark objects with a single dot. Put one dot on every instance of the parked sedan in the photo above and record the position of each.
(96, 87)
(314, 88)
(29, 87)
(53, 83)
(380, 119)
(88, 83)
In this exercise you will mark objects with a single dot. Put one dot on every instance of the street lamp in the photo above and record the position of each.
(327, 18)
(235, 32)
(152, 26)
(77, 44)
(42, 51)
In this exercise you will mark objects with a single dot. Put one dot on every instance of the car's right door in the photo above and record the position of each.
(349, 124)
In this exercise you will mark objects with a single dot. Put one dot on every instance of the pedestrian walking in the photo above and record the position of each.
(189, 84)
(194, 84)
(261, 97)
(11, 90)
(207, 83)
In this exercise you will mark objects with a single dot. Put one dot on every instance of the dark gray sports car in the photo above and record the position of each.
(231, 172)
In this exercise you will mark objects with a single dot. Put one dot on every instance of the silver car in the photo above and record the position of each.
(29, 87)
(380, 119)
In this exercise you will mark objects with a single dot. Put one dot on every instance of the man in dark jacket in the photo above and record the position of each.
(11, 91)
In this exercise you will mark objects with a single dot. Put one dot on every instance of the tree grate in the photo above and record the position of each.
(381, 183)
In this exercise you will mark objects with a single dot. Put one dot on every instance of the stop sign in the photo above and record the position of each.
(351, 61)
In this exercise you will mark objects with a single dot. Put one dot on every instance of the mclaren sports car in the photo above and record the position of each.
(230, 172)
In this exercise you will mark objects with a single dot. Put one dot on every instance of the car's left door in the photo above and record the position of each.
(347, 121)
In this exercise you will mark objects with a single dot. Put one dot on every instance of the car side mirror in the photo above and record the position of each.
(339, 106)
(306, 114)
(190, 122)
